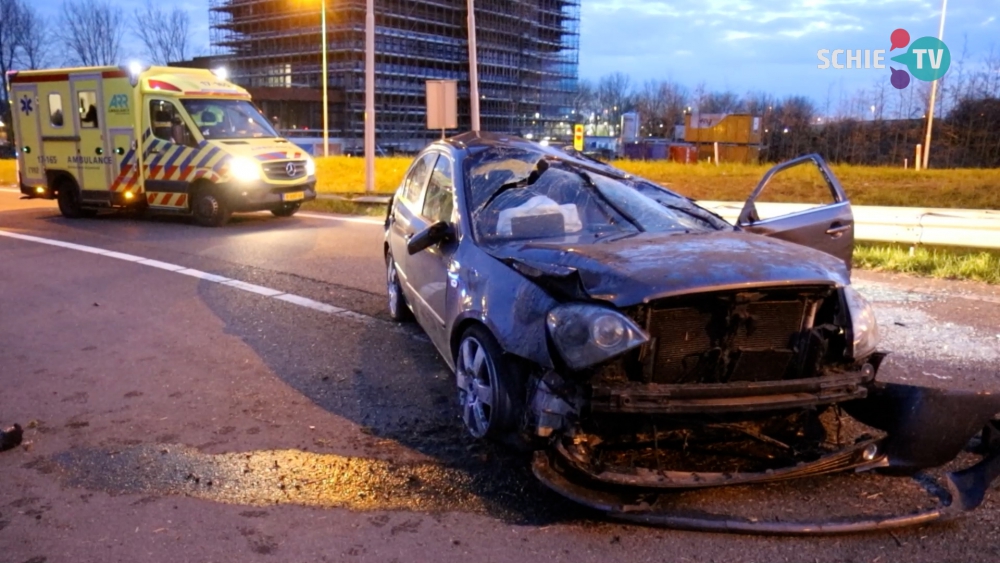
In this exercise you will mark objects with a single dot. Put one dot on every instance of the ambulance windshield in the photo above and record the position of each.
(228, 119)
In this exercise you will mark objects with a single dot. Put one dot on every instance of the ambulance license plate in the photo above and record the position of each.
(293, 196)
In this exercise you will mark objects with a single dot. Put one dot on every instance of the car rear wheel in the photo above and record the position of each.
(286, 209)
(70, 203)
(488, 383)
(210, 208)
(398, 309)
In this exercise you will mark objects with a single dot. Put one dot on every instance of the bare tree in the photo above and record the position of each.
(166, 36)
(11, 25)
(34, 40)
(614, 96)
(92, 32)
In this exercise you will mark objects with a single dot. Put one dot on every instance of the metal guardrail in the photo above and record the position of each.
(906, 225)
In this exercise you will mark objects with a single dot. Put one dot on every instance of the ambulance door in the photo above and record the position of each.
(27, 134)
(120, 129)
(94, 156)
(169, 155)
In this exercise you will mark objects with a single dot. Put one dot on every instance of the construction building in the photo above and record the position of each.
(528, 54)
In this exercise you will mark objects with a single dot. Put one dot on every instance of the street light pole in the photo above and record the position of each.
(930, 110)
(370, 97)
(326, 106)
(473, 69)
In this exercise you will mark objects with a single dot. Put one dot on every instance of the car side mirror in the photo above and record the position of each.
(433, 234)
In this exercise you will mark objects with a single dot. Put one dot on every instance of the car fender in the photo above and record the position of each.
(512, 307)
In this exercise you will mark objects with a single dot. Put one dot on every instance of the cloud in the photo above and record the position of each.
(744, 45)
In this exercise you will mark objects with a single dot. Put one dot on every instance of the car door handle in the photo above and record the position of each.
(837, 230)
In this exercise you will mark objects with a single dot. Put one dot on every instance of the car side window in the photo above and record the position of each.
(417, 178)
(167, 123)
(440, 199)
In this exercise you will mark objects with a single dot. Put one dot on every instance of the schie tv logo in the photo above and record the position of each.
(927, 59)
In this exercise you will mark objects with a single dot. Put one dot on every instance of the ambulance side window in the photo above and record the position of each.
(167, 123)
(55, 110)
(88, 109)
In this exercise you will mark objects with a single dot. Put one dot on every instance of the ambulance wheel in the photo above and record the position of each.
(286, 209)
(70, 204)
(209, 207)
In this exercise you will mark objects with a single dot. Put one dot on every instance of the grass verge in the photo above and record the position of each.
(944, 263)
(345, 208)
(865, 185)
(8, 171)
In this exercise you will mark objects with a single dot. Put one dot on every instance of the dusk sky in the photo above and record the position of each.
(743, 45)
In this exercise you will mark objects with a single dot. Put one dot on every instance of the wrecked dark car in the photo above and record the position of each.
(640, 344)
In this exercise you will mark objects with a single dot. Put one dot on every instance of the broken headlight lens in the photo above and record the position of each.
(587, 334)
(864, 328)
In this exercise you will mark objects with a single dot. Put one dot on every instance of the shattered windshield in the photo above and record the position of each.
(521, 194)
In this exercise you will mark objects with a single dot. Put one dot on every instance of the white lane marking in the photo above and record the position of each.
(345, 218)
(258, 289)
(203, 275)
(161, 265)
(123, 256)
(214, 278)
(305, 302)
(10, 190)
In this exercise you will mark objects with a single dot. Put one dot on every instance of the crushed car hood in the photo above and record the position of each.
(637, 269)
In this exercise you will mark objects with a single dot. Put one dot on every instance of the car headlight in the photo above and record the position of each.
(310, 167)
(587, 334)
(244, 169)
(864, 328)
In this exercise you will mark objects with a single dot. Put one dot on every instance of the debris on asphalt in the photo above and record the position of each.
(11, 437)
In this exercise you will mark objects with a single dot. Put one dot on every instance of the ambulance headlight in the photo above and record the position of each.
(310, 167)
(244, 169)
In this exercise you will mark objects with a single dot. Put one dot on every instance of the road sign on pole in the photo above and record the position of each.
(442, 105)
(578, 137)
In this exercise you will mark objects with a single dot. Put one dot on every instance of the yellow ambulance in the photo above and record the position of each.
(159, 139)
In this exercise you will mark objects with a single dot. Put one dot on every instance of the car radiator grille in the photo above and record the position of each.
(279, 170)
(726, 338)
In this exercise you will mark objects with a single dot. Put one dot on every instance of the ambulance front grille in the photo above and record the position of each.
(285, 170)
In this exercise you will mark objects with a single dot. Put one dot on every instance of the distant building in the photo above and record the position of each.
(528, 59)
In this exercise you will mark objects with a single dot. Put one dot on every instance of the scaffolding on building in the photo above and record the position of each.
(528, 60)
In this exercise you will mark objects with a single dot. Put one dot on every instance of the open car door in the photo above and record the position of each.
(828, 227)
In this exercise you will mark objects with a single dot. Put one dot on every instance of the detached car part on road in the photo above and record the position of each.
(641, 345)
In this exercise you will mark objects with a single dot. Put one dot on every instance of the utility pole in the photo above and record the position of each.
(473, 69)
(326, 106)
(930, 110)
(370, 98)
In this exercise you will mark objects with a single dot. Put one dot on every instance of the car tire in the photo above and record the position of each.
(209, 207)
(490, 386)
(399, 311)
(286, 209)
(70, 202)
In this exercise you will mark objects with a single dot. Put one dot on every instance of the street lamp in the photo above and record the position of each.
(326, 108)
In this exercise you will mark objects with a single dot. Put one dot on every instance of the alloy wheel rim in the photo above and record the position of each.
(474, 377)
(392, 288)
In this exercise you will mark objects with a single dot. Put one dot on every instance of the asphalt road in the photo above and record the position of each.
(176, 413)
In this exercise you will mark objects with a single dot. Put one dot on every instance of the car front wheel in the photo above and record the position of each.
(210, 208)
(488, 385)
